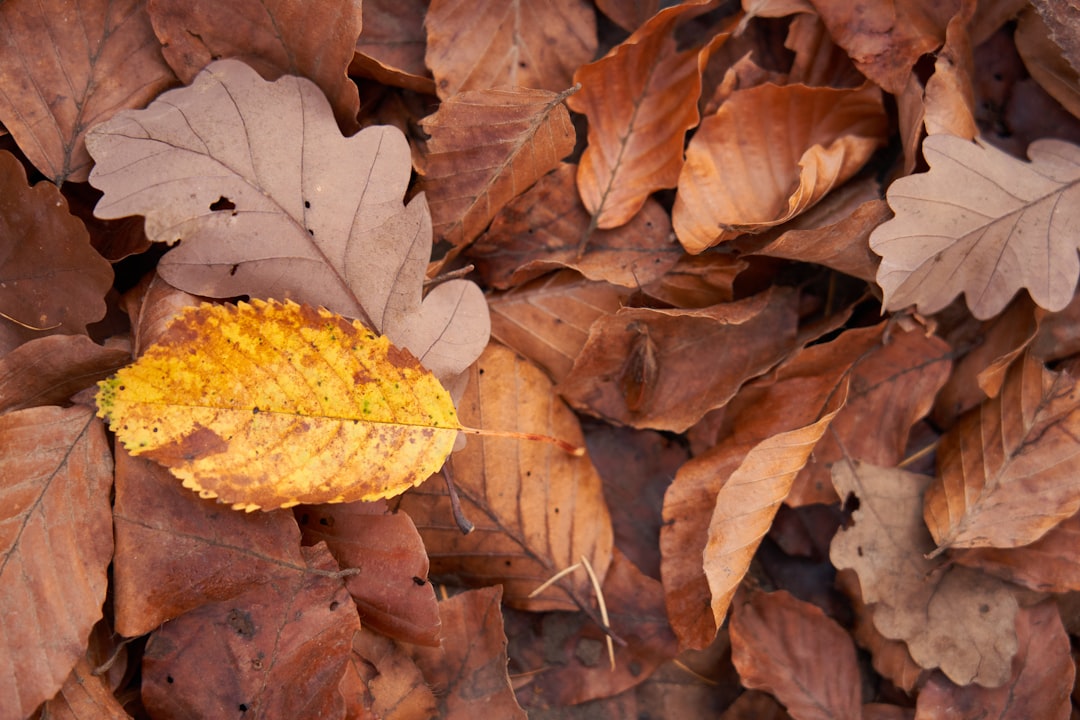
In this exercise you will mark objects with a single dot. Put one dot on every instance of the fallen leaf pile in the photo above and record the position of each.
(799, 277)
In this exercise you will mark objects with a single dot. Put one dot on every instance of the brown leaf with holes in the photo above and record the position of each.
(280, 650)
(486, 147)
(275, 37)
(537, 510)
(507, 43)
(64, 70)
(55, 545)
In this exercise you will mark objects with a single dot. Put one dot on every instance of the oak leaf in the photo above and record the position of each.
(271, 405)
(985, 224)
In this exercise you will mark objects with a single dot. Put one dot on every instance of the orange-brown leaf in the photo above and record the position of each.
(64, 70)
(1046, 565)
(51, 369)
(382, 680)
(768, 154)
(486, 148)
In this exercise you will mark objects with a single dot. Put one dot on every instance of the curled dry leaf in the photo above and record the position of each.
(507, 43)
(1018, 449)
(55, 475)
(537, 510)
(954, 618)
(546, 227)
(258, 182)
(276, 37)
(486, 148)
(62, 71)
(469, 671)
(280, 650)
(50, 277)
(777, 643)
(985, 224)
(640, 367)
(768, 154)
(640, 99)
(268, 405)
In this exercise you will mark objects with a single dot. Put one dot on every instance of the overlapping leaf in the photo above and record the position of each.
(270, 405)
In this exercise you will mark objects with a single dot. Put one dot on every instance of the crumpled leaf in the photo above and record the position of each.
(1017, 450)
(640, 99)
(537, 510)
(63, 70)
(55, 547)
(777, 645)
(768, 154)
(985, 224)
(507, 43)
(50, 276)
(276, 37)
(301, 227)
(954, 618)
(269, 405)
(486, 148)
(279, 650)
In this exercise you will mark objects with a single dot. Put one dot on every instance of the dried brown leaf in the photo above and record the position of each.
(983, 223)
(1060, 18)
(469, 671)
(629, 14)
(51, 369)
(507, 43)
(391, 45)
(50, 276)
(546, 227)
(391, 687)
(777, 645)
(64, 70)
(770, 153)
(84, 696)
(536, 509)
(1018, 449)
(1046, 565)
(486, 148)
(950, 617)
(697, 281)
(1046, 61)
(279, 650)
(950, 93)
(276, 37)
(640, 367)
(55, 545)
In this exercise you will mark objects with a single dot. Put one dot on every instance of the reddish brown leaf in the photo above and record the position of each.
(151, 306)
(279, 650)
(770, 153)
(537, 510)
(1016, 450)
(1046, 565)
(55, 545)
(391, 590)
(546, 227)
(753, 705)
(63, 71)
(176, 551)
(818, 61)
(639, 366)
(84, 696)
(1039, 686)
(50, 276)
(276, 37)
(392, 44)
(486, 148)
(507, 43)
(640, 100)
(548, 320)
(51, 369)
(777, 643)
(697, 281)
(629, 14)
(468, 672)
(382, 681)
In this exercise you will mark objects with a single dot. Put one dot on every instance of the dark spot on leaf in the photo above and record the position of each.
(169, 679)
(222, 203)
(311, 232)
(255, 410)
(419, 581)
(304, 519)
(233, 269)
(481, 372)
(984, 608)
(307, 205)
(326, 521)
(243, 707)
(241, 622)
(334, 605)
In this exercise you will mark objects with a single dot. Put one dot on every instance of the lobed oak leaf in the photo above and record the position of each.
(55, 548)
(275, 37)
(954, 618)
(310, 215)
(63, 71)
(507, 43)
(982, 223)
(486, 148)
(271, 405)
(770, 153)
(1017, 449)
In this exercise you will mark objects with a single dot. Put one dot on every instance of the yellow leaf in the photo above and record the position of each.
(268, 405)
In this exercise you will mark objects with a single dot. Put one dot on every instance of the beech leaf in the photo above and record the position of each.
(271, 405)
(985, 224)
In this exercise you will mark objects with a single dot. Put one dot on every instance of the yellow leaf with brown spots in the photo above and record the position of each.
(268, 405)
